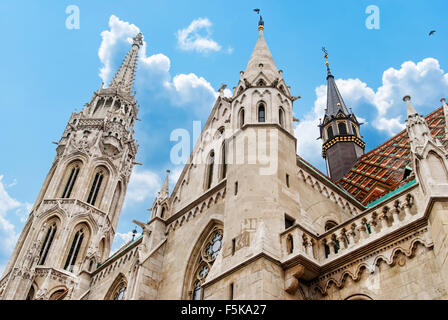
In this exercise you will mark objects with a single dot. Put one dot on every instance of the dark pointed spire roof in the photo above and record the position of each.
(124, 78)
(335, 103)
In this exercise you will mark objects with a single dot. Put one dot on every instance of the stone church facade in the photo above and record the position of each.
(248, 218)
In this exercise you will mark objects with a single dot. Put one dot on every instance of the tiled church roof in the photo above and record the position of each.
(381, 170)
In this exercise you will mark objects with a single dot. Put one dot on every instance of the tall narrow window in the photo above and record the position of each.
(281, 116)
(330, 132)
(74, 250)
(261, 113)
(241, 118)
(47, 243)
(162, 214)
(223, 160)
(210, 163)
(95, 188)
(70, 182)
(342, 128)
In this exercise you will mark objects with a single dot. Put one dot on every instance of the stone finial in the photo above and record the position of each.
(410, 109)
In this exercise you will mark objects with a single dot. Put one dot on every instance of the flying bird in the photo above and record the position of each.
(257, 11)
(432, 32)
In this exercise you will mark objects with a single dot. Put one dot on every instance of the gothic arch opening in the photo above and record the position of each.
(201, 260)
(241, 118)
(51, 226)
(117, 290)
(67, 184)
(209, 170)
(261, 112)
(59, 294)
(358, 296)
(97, 185)
(76, 247)
(330, 224)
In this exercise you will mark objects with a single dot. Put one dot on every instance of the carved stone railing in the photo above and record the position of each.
(358, 232)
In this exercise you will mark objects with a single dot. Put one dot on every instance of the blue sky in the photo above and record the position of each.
(48, 71)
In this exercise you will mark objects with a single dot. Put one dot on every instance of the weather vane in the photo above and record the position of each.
(324, 50)
(261, 22)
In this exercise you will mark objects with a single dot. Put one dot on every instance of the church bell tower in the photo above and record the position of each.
(71, 226)
(342, 144)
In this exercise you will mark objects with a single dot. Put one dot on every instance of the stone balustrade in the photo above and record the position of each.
(359, 231)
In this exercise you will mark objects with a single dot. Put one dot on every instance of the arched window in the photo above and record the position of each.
(74, 249)
(117, 290)
(162, 213)
(208, 253)
(96, 190)
(330, 224)
(70, 178)
(210, 164)
(330, 132)
(223, 160)
(342, 128)
(241, 118)
(281, 116)
(261, 113)
(49, 236)
(119, 295)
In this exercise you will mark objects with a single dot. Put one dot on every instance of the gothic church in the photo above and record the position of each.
(248, 218)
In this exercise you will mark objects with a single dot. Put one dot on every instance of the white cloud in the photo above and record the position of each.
(424, 81)
(153, 74)
(190, 39)
(119, 31)
(143, 185)
(8, 206)
(121, 239)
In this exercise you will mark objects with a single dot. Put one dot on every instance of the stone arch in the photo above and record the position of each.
(58, 293)
(197, 260)
(116, 291)
(358, 296)
(69, 178)
(76, 246)
(97, 185)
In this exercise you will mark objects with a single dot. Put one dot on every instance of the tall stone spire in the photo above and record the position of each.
(342, 143)
(335, 103)
(164, 191)
(417, 128)
(124, 78)
(261, 59)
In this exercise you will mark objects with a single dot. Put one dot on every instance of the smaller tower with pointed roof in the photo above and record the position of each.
(342, 142)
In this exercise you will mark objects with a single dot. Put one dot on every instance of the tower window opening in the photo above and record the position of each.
(236, 187)
(287, 180)
(241, 118)
(330, 132)
(261, 113)
(210, 164)
(74, 250)
(281, 117)
(47, 243)
(70, 182)
(289, 222)
(342, 128)
(94, 190)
